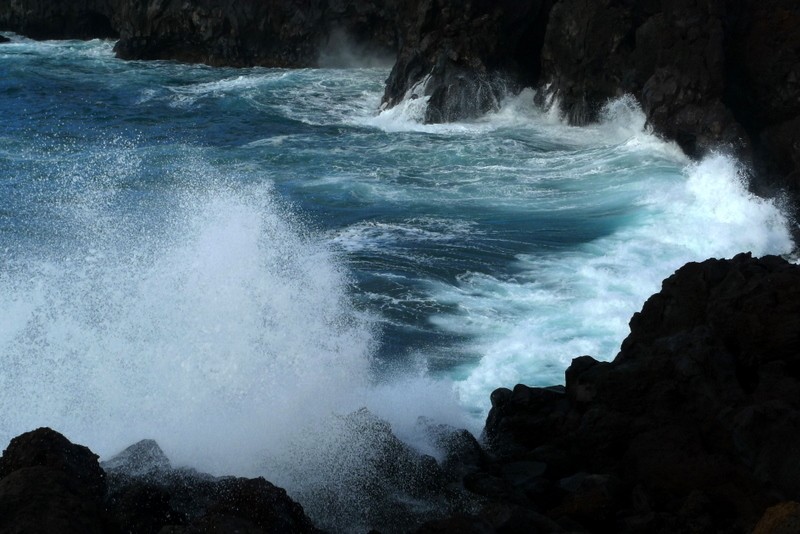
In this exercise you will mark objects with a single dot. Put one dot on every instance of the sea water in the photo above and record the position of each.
(229, 260)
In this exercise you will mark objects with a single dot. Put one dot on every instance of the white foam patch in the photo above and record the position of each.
(565, 305)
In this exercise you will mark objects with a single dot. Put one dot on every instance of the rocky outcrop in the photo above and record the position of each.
(48, 484)
(271, 33)
(692, 428)
(59, 19)
(709, 74)
(465, 56)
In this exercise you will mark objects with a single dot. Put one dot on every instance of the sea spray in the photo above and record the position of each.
(226, 332)
(232, 261)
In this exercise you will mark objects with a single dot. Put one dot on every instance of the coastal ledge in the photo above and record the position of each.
(694, 427)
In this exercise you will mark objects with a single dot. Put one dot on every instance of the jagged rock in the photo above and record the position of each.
(140, 459)
(4, 39)
(692, 428)
(48, 449)
(184, 500)
(47, 484)
(717, 74)
(273, 33)
(463, 56)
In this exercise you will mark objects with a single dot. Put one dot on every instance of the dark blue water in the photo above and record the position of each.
(224, 258)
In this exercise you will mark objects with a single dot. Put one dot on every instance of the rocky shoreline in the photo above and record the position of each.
(710, 75)
(694, 427)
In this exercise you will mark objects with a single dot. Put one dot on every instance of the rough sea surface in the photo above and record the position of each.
(229, 260)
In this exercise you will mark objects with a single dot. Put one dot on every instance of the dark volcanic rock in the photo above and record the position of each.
(273, 33)
(709, 74)
(47, 484)
(147, 495)
(59, 19)
(464, 55)
(217, 32)
(694, 427)
(4, 39)
(221, 32)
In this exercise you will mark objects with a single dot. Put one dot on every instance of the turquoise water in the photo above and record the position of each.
(223, 259)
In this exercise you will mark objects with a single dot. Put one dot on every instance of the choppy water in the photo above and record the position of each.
(221, 259)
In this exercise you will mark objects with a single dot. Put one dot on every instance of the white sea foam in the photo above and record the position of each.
(225, 330)
(561, 306)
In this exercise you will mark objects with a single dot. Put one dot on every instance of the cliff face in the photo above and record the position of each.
(246, 33)
(709, 74)
(464, 56)
(216, 32)
(59, 19)
(692, 428)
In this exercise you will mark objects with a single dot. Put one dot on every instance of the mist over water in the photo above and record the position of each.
(231, 261)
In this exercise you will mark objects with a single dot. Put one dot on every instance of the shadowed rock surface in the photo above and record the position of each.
(694, 427)
(465, 56)
(48, 484)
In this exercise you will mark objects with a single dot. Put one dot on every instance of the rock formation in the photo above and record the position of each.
(709, 74)
(694, 427)
(465, 56)
(48, 484)
(59, 19)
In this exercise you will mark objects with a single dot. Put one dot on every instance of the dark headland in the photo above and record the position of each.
(695, 425)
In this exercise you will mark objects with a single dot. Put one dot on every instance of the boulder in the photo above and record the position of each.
(48, 484)
(692, 428)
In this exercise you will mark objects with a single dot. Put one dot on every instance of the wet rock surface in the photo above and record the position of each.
(465, 56)
(712, 74)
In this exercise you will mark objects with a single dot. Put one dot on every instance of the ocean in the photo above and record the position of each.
(230, 260)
